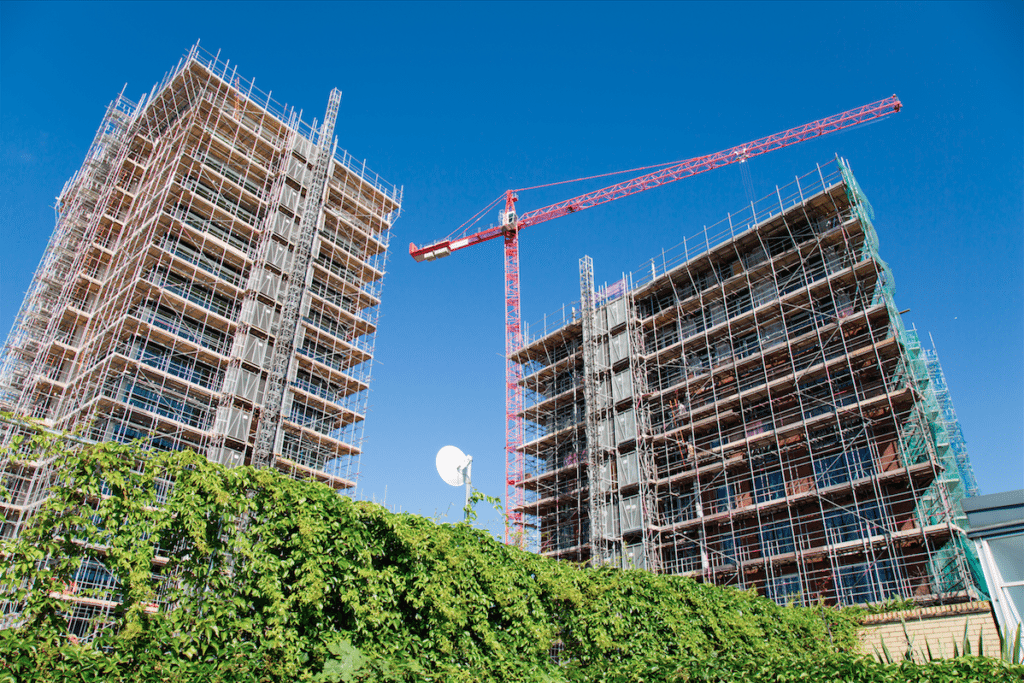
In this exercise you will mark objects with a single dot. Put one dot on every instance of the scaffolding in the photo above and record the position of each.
(951, 424)
(212, 244)
(748, 409)
(31, 455)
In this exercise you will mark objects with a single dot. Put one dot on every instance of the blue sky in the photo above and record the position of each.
(457, 102)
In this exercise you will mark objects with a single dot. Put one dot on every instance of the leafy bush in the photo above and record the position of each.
(277, 579)
(895, 603)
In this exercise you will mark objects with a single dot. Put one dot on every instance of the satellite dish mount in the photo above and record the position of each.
(455, 467)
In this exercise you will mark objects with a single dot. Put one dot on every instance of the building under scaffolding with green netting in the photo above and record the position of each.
(749, 410)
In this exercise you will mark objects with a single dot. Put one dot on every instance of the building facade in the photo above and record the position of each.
(213, 282)
(751, 411)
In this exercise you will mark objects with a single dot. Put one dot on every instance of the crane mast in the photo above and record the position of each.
(511, 224)
(515, 496)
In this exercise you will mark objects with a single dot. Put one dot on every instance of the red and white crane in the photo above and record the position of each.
(511, 225)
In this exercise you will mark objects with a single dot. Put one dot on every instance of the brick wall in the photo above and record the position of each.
(939, 628)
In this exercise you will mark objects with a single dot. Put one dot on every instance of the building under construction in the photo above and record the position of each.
(213, 283)
(750, 410)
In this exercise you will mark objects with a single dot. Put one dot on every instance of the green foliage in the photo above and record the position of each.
(1009, 645)
(836, 667)
(275, 579)
(345, 664)
(477, 497)
(895, 603)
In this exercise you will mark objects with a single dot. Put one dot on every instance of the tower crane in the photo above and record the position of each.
(511, 224)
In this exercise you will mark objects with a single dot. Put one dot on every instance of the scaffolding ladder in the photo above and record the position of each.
(268, 432)
(600, 451)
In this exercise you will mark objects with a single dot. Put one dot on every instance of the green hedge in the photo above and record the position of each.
(286, 580)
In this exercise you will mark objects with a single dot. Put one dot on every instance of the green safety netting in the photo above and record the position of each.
(925, 431)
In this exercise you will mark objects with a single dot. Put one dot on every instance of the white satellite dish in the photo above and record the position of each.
(454, 467)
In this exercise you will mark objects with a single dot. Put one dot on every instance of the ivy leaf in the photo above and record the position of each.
(347, 663)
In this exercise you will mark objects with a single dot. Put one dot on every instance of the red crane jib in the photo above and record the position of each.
(683, 169)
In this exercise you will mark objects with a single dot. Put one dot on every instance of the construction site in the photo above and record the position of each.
(213, 283)
(748, 409)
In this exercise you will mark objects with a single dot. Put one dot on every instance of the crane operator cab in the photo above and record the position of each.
(507, 218)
